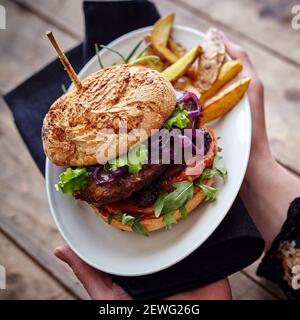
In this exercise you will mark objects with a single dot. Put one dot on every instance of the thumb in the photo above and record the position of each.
(96, 283)
(237, 52)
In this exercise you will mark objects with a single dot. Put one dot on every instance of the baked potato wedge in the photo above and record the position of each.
(176, 48)
(229, 70)
(224, 100)
(159, 37)
(179, 68)
(162, 29)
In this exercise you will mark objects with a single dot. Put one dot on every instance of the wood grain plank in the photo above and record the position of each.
(24, 278)
(24, 213)
(243, 19)
(24, 48)
(34, 219)
(268, 285)
(244, 288)
(68, 14)
(239, 17)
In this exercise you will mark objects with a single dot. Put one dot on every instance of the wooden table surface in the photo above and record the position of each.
(27, 232)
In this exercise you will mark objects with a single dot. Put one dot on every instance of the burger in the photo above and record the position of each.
(89, 132)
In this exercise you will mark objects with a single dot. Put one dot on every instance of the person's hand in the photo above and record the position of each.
(100, 286)
(268, 188)
(256, 99)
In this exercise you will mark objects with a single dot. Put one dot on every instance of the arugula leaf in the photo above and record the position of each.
(132, 221)
(109, 219)
(127, 219)
(184, 191)
(139, 229)
(72, 180)
(179, 118)
(183, 211)
(169, 220)
(220, 167)
(209, 173)
(119, 216)
(167, 203)
(210, 192)
(135, 160)
(159, 203)
(218, 170)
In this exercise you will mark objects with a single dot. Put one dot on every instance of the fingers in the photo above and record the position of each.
(237, 52)
(96, 283)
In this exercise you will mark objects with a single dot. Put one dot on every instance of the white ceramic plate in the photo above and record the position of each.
(129, 254)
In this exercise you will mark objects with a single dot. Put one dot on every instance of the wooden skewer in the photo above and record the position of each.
(64, 60)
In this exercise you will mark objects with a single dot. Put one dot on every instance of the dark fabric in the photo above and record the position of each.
(114, 18)
(235, 244)
(284, 253)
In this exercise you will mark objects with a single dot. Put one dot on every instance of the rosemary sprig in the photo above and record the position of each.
(114, 51)
(143, 51)
(98, 56)
(141, 59)
(133, 51)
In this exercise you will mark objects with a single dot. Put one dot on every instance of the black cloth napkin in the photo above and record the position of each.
(235, 244)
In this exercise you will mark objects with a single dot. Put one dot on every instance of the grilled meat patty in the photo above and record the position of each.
(122, 187)
(148, 195)
(143, 186)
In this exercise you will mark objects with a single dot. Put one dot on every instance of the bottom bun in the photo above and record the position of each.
(152, 224)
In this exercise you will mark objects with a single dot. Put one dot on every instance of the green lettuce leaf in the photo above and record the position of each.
(135, 160)
(72, 180)
(178, 119)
